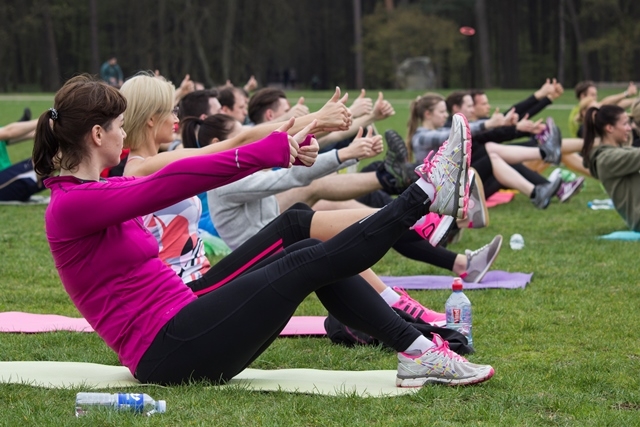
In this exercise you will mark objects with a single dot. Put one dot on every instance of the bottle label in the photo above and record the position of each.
(131, 401)
(456, 315)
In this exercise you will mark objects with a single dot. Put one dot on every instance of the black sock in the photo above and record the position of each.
(542, 153)
(533, 193)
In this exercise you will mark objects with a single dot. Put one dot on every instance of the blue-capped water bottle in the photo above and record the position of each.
(458, 311)
(139, 403)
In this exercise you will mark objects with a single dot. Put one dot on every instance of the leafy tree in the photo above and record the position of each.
(391, 37)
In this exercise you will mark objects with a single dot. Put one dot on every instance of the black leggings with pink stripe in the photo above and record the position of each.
(218, 335)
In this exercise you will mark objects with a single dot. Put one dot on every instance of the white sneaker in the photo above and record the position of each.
(439, 365)
(447, 171)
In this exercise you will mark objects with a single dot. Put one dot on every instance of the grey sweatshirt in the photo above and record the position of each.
(240, 209)
(425, 140)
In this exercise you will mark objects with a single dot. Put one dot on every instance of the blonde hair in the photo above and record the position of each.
(419, 106)
(147, 96)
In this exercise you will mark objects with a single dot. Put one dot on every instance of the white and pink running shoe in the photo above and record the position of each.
(447, 171)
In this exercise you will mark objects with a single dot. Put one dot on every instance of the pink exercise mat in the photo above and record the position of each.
(16, 321)
(500, 198)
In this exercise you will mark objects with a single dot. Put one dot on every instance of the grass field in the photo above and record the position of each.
(566, 349)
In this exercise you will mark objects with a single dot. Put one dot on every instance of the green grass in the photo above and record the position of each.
(566, 349)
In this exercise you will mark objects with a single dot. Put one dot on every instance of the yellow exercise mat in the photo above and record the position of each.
(308, 381)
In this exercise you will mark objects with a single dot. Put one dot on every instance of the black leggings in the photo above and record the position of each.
(218, 335)
(410, 244)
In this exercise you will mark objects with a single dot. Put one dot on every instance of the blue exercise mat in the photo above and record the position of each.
(622, 235)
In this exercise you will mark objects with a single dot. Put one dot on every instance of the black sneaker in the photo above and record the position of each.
(390, 184)
(26, 115)
(395, 160)
(544, 193)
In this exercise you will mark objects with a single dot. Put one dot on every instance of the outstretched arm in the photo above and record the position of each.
(18, 131)
(333, 115)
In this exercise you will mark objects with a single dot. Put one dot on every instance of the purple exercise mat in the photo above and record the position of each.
(493, 279)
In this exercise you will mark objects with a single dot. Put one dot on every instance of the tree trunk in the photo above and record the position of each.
(483, 37)
(576, 30)
(51, 69)
(227, 39)
(357, 33)
(200, 51)
(561, 42)
(95, 51)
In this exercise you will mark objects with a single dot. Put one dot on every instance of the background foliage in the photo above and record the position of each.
(44, 42)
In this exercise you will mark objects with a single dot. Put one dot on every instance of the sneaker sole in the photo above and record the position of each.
(483, 200)
(419, 382)
(441, 230)
(461, 205)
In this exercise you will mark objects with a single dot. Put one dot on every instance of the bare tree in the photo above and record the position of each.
(561, 41)
(93, 23)
(483, 36)
(51, 69)
(357, 34)
(576, 30)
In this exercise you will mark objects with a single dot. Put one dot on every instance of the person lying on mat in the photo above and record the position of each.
(18, 182)
(176, 227)
(108, 261)
(608, 154)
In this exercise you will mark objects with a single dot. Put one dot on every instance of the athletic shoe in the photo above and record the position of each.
(395, 160)
(569, 189)
(478, 212)
(544, 193)
(433, 227)
(396, 144)
(417, 310)
(551, 143)
(480, 260)
(389, 183)
(439, 365)
(26, 115)
(447, 171)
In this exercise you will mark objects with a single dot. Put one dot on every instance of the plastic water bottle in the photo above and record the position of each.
(516, 242)
(138, 403)
(600, 204)
(458, 311)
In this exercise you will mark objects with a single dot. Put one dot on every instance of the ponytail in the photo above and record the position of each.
(590, 132)
(218, 126)
(412, 124)
(189, 126)
(46, 149)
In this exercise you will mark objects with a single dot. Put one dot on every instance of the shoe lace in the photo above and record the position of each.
(410, 303)
(442, 347)
(471, 254)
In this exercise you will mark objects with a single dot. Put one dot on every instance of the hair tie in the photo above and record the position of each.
(54, 114)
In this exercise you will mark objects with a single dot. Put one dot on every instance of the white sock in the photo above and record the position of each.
(427, 187)
(390, 296)
(419, 346)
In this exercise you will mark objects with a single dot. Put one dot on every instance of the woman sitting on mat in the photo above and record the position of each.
(108, 261)
(612, 160)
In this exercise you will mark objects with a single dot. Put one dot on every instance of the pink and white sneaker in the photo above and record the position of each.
(439, 365)
(433, 227)
(417, 310)
(447, 171)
